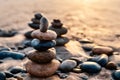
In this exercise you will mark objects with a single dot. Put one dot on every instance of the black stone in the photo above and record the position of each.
(38, 16)
(34, 26)
(87, 47)
(14, 55)
(8, 74)
(116, 75)
(56, 23)
(28, 35)
(42, 45)
(90, 67)
(61, 41)
(43, 24)
(35, 21)
(102, 59)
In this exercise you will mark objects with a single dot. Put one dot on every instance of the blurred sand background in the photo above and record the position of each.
(96, 19)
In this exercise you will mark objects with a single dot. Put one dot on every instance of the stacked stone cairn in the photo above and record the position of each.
(34, 25)
(42, 61)
(57, 26)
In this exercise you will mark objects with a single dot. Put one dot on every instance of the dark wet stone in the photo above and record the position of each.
(9, 33)
(88, 47)
(27, 43)
(102, 50)
(2, 48)
(16, 69)
(42, 56)
(35, 21)
(116, 75)
(14, 55)
(85, 40)
(2, 76)
(67, 65)
(38, 16)
(34, 26)
(42, 45)
(8, 74)
(56, 23)
(77, 70)
(43, 24)
(61, 41)
(28, 34)
(90, 67)
(59, 31)
(102, 59)
(78, 60)
(111, 65)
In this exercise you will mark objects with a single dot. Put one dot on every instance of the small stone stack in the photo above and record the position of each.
(57, 26)
(43, 62)
(34, 24)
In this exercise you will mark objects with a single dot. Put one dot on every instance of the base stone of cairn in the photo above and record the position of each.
(42, 61)
(57, 26)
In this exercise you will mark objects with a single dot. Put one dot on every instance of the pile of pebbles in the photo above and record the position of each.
(35, 22)
(42, 61)
(57, 26)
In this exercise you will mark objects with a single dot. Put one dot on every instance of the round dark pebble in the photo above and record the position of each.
(57, 23)
(102, 59)
(90, 67)
(85, 40)
(88, 47)
(59, 31)
(14, 55)
(34, 26)
(61, 41)
(35, 21)
(38, 16)
(43, 24)
(28, 35)
(116, 75)
(67, 65)
(2, 76)
(111, 65)
(8, 74)
(42, 45)
(16, 69)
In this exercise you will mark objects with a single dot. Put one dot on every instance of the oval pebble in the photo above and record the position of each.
(14, 55)
(102, 59)
(56, 23)
(35, 21)
(116, 75)
(33, 26)
(8, 74)
(61, 41)
(42, 45)
(111, 65)
(67, 65)
(90, 67)
(28, 34)
(102, 50)
(2, 76)
(38, 16)
(43, 24)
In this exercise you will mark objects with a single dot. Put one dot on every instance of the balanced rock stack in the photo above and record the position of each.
(34, 25)
(42, 60)
(57, 26)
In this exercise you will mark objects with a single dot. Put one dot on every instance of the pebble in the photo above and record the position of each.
(28, 34)
(16, 69)
(85, 40)
(59, 31)
(14, 55)
(111, 65)
(43, 24)
(42, 57)
(77, 70)
(90, 67)
(102, 59)
(49, 35)
(34, 26)
(67, 65)
(116, 75)
(2, 76)
(38, 16)
(88, 47)
(102, 50)
(42, 70)
(56, 23)
(42, 45)
(9, 33)
(61, 41)
(35, 21)
(8, 74)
